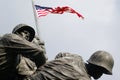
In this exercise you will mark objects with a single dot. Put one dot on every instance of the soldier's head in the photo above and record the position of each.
(67, 54)
(25, 31)
(38, 41)
(100, 62)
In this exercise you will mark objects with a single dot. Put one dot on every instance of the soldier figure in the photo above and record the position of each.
(26, 66)
(67, 66)
(19, 42)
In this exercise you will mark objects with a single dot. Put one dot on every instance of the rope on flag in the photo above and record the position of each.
(43, 11)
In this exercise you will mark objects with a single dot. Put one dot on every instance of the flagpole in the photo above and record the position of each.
(35, 18)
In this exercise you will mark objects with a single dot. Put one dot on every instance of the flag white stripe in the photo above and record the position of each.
(42, 13)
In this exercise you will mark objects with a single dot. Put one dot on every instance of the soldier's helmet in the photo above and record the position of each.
(102, 59)
(21, 27)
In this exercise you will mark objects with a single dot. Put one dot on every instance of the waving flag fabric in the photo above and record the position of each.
(61, 10)
(43, 11)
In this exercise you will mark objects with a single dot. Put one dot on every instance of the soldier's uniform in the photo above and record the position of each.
(65, 67)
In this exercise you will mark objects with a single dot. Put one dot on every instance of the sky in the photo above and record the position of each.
(67, 32)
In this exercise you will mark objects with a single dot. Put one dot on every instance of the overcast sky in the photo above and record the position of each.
(100, 30)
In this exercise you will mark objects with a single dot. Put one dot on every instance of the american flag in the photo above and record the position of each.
(43, 11)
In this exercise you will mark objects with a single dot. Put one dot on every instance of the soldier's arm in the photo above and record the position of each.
(16, 45)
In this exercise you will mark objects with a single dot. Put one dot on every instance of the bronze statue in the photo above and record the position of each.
(19, 42)
(26, 66)
(68, 66)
